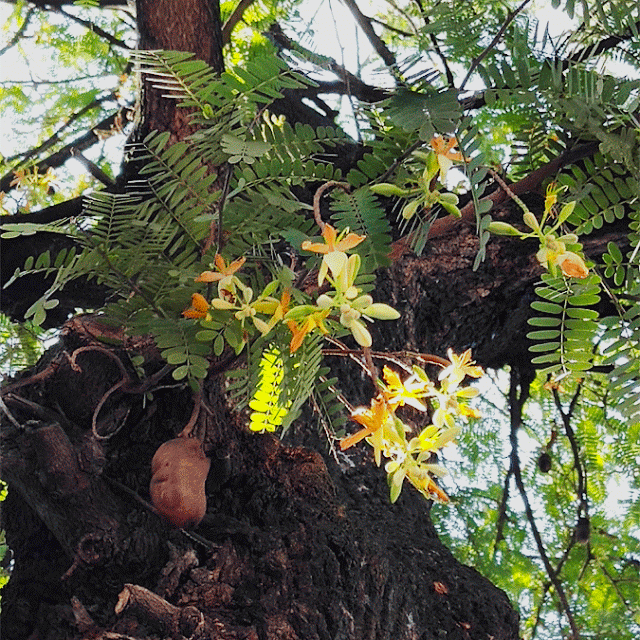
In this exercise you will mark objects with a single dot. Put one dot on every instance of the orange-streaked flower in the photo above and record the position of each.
(424, 483)
(460, 367)
(224, 271)
(199, 307)
(572, 265)
(331, 244)
(373, 421)
(299, 331)
(409, 392)
(445, 154)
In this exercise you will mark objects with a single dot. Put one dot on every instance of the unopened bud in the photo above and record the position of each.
(387, 189)
(381, 311)
(502, 229)
(531, 221)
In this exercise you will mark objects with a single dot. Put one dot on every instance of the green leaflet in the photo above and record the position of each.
(568, 340)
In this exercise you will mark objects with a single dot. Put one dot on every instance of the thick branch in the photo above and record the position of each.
(600, 47)
(376, 42)
(352, 85)
(58, 158)
(56, 137)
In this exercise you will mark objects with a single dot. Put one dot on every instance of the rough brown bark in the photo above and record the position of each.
(293, 546)
(176, 25)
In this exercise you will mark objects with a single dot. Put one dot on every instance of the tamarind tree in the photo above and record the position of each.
(240, 342)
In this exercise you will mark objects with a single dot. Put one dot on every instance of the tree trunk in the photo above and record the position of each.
(294, 545)
(291, 547)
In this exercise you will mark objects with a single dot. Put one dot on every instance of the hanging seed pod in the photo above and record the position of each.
(544, 462)
(583, 527)
(178, 474)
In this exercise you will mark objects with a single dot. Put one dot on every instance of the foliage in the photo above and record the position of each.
(513, 97)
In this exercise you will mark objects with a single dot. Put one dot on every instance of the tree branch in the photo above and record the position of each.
(49, 142)
(571, 435)
(233, 19)
(58, 158)
(19, 33)
(116, 42)
(376, 42)
(352, 85)
(600, 47)
(516, 403)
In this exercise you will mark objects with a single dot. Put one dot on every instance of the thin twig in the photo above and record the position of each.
(516, 403)
(110, 38)
(510, 18)
(577, 463)
(19, 33)
(9, 415)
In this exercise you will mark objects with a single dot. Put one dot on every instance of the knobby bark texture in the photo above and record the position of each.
(293, 545)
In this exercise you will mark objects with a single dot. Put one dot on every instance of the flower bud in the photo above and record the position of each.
(224, 305)
(324, 301)
(360, 333)
(381, 311)
(387, 189)
(531, 221)
(502, 229)
(450, 198)
(410, 209)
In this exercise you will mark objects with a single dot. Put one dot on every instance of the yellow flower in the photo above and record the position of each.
(224, 271)
(553, 253)
(330, 235)
(313, 321)
(424, 483)
(280, 309)
(199, 307)
(572, 265)
(399, 393)
(445, 154)
(373, 421)
(460, 367)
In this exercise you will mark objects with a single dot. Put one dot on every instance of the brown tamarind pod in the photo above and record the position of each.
(544, 462)
(178, 474)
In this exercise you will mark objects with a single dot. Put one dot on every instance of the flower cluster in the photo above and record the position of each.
(554, 252)
(345, 302)
(410, 458)
(423, 192)
(236, 302)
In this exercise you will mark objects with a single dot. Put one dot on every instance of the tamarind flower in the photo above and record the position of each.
(199, 308)
(333, 250)
(445, 154)
(572, 265)
(299, 331)
(553, 253)
(223, 272)
(460, 367)
(399, 393)
(373, 421)
(331, 243)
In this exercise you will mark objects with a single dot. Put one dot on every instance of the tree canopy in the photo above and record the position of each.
(460, 175)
